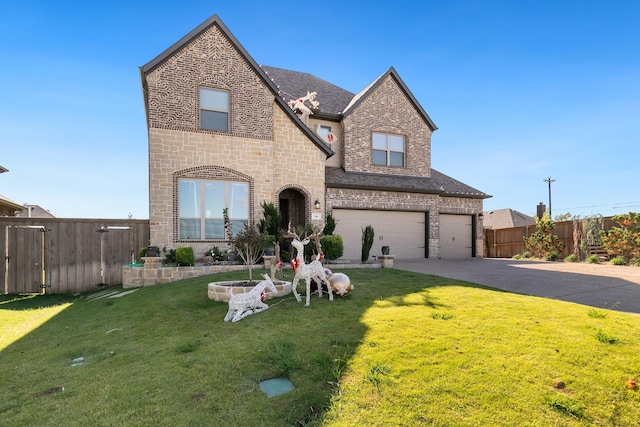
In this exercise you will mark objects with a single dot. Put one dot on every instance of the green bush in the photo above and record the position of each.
(551, 256)
(170, 257)
(184, 256)
(635, 261)
(517, 256)
(367, 242)
(593, 259)
(142, 252)
(329, 226)
(526, 254)
(215, 253)
(571, 258)
(619, 260)
(332, 246)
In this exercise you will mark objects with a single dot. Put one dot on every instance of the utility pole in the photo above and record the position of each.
(549, 181)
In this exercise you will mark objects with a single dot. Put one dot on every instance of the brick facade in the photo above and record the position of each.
(263, 146)
(268, 147)
(386, 110)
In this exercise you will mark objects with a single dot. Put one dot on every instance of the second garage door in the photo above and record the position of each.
(455, 236)
(403, 232)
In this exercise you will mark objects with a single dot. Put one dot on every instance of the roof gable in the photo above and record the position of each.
(366, 92)
(193, 34)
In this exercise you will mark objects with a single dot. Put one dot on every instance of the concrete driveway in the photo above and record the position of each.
(596, 285)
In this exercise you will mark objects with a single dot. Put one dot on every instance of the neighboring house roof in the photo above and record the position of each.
(215, 20)
(438, 183)
(10, 204)
(294, 84)
(374, 85)
(506, 218)
(34, 211)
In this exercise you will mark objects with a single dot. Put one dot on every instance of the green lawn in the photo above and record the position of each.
(404, 349)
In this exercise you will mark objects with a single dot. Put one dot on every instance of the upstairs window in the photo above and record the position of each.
(324, 132)
(388, 149)
(214, 109)
(201, 203)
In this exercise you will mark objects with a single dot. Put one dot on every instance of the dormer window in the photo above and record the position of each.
(214, 109)
(387, 149)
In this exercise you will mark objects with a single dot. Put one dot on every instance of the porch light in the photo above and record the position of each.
(316, 204)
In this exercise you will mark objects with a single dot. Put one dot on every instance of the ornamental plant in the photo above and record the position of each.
(249, 244)
(623, 241)
(542, 241)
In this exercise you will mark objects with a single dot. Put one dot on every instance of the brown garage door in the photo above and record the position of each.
(403, 232)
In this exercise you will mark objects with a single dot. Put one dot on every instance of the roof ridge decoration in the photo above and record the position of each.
(298, 105)
(215, 20)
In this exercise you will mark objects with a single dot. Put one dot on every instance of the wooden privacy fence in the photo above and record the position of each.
(507, 242)
(62, 256)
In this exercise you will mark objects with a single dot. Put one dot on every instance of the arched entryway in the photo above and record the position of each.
(293, 204)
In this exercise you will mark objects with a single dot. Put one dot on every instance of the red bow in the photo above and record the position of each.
(295, 263)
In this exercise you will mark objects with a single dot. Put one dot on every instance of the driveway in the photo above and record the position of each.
(596, 285)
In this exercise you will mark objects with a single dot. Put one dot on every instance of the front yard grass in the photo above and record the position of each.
(404, 349)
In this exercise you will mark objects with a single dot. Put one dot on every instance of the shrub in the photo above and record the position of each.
(542, 241)
(593, 259)
(215, 253)
(571, 258)
(551, 256)
(517, 256)
(184, 256)
(635, 261)
(619, 260)
(329, 226)
(270, 223)
(367, 242)
(332, 246)
(526, 254)
(624, 240)
(142, 252)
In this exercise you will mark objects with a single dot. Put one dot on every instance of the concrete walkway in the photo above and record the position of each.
(596, 285)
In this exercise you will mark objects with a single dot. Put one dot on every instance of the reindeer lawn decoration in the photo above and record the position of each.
(243, 305)
(314, 270)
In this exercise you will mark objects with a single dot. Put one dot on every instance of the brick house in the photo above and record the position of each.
(222, 134)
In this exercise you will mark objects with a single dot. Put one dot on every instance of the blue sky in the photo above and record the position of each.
(520, 91)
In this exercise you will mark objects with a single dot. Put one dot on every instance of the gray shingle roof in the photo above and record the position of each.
(438, 183)
(294, 84)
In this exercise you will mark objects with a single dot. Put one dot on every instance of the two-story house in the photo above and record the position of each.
(225, 132)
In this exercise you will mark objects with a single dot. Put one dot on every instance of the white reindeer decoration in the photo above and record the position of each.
(314, 270)
(243, 305)
(298, 104)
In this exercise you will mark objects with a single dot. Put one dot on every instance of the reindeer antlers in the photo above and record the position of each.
(290, 234)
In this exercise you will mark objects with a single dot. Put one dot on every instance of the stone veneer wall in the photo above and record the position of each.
(386, 110)
(415, 202)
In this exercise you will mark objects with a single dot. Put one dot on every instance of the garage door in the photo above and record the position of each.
(403, 232)
(455, 236)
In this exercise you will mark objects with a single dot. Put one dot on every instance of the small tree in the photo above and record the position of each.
(249, 245)
(623, 241)
(542, 242)
(367, 242)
